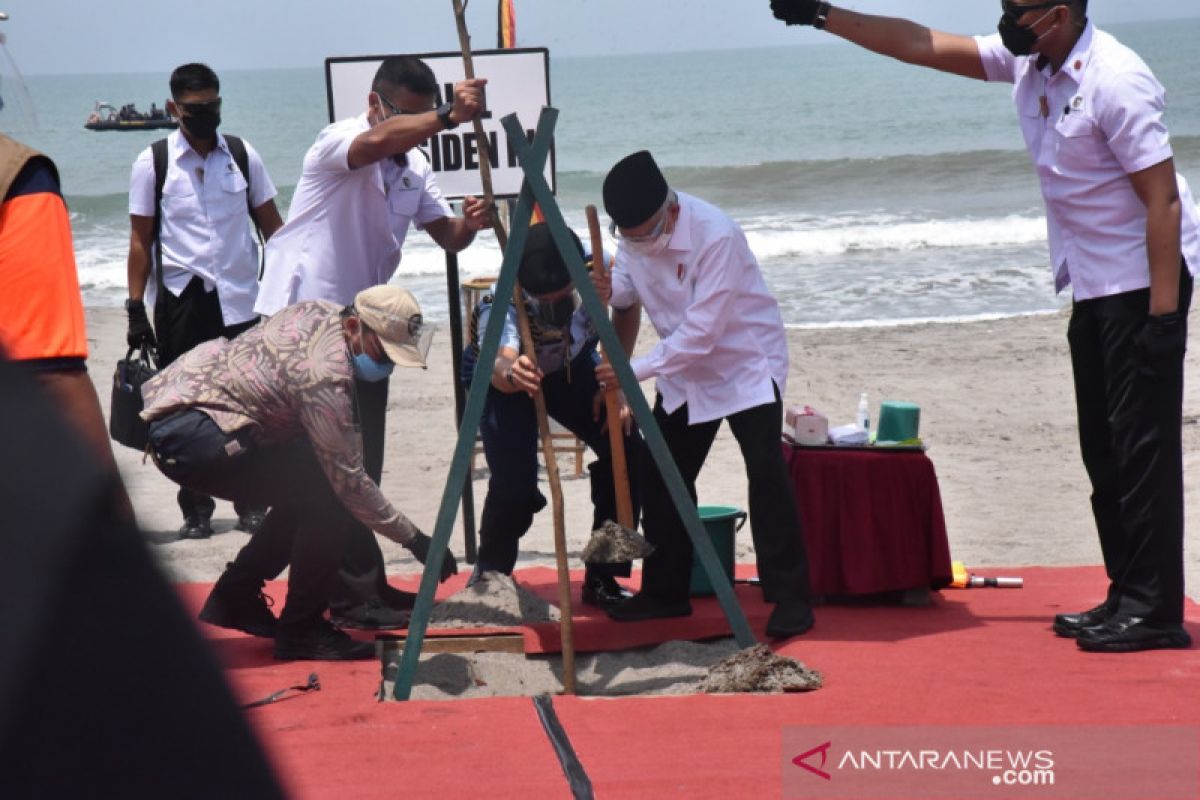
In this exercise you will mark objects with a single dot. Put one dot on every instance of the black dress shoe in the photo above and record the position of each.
(195, 528)
(603, 591)
(1069, 625)
(647, 606)
(397, 598)
(790, 619)
(251, 521)
(1121, 633)
(372, 615)
(237, 601)
(319, 641)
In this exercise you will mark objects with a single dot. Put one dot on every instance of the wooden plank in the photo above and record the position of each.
(462, 643)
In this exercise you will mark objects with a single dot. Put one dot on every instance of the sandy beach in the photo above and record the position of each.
(997, 413)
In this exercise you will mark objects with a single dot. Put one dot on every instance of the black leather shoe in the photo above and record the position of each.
(603, 591)
(397, 598)
(1069, 625)
(647, 606)
(238, 602)
(1121, 633)
(790, 619)
(251, 521)
(319, 641)
(372, 615)
(195, 528)
(478, 571)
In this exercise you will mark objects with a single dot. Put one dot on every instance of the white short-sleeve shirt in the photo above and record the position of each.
(722, 345)
(206, 228)
(346, 227)
(1103, 120)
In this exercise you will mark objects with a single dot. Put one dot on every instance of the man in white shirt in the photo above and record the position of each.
(209, 261)
(722, 354)
(1124, 232)
(364, 182)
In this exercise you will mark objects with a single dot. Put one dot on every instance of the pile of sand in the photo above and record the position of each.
(612, 543)
(495, 601)
(757, 669)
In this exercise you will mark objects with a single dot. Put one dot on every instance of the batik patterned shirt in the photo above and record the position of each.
(290, 376)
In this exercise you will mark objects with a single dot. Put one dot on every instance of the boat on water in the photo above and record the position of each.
(107, 117)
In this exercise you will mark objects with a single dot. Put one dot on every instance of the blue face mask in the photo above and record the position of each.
(369, 370)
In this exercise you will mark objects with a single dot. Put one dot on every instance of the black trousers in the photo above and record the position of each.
(510, 444)
(306, 526)
(363, 575)
(1130, 411)
(181, 323)
(774, 518)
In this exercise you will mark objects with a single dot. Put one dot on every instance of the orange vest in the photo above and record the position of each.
(41, 310)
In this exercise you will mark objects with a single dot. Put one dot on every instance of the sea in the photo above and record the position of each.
(872, 192)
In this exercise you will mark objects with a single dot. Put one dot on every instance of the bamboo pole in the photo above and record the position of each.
(616, 434)
(566, 623)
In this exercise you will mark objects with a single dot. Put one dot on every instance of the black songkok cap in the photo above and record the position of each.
(634, 190)
(542, 267)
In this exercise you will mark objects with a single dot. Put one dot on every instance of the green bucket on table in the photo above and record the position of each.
(721, 523)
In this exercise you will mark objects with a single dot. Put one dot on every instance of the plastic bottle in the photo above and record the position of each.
(863, 418)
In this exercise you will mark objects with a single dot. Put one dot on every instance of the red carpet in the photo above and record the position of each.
(974, 657)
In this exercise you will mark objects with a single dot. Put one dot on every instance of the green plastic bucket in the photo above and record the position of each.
(721, 523)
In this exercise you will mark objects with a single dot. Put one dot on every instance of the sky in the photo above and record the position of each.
(94, 36)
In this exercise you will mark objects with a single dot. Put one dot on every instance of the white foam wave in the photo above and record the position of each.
(900, 322)
(777, 238)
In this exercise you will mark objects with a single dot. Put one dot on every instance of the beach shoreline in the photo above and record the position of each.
(997, 413)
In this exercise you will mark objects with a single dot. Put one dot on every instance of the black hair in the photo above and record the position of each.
(193, 78)
(408, 72)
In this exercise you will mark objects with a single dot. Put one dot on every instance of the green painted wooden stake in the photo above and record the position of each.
(532, 158)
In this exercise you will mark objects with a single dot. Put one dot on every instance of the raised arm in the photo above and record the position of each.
(402, 132)
(890, 36)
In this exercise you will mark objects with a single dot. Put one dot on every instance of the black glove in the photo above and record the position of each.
(419, 547)
(1161, 340)
(140, 333)
(795, 12)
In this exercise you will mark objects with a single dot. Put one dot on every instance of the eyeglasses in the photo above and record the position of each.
(654, 233)
(200, 108)
(395, 110)
(1015, 10)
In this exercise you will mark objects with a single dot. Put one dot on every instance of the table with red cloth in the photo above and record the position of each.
(872, 519)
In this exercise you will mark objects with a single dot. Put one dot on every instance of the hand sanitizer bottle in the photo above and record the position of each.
(863, 418)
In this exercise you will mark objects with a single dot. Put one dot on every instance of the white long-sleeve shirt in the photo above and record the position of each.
(722, 345)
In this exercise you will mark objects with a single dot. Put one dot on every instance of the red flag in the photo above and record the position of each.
(506, 26)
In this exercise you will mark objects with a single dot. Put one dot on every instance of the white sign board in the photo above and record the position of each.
(518, 81)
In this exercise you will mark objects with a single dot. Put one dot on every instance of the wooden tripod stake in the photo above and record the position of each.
(566, 623)
(616, 437)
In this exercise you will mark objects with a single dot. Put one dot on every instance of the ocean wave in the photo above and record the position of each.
(781, 237)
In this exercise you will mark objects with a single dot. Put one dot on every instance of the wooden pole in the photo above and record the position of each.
(616, 434)
(566, 623)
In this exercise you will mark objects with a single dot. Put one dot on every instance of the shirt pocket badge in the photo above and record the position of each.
(233, 192)
(403, 201)
(1078, 146)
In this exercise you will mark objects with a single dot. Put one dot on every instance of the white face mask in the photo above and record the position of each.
(652, 247)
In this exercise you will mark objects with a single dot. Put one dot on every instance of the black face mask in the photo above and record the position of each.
(557, 313)
(1019, 40)
(203, 124)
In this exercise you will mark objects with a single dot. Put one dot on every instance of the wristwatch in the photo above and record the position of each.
(443, 115)
(131, 303)
(822, 15)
